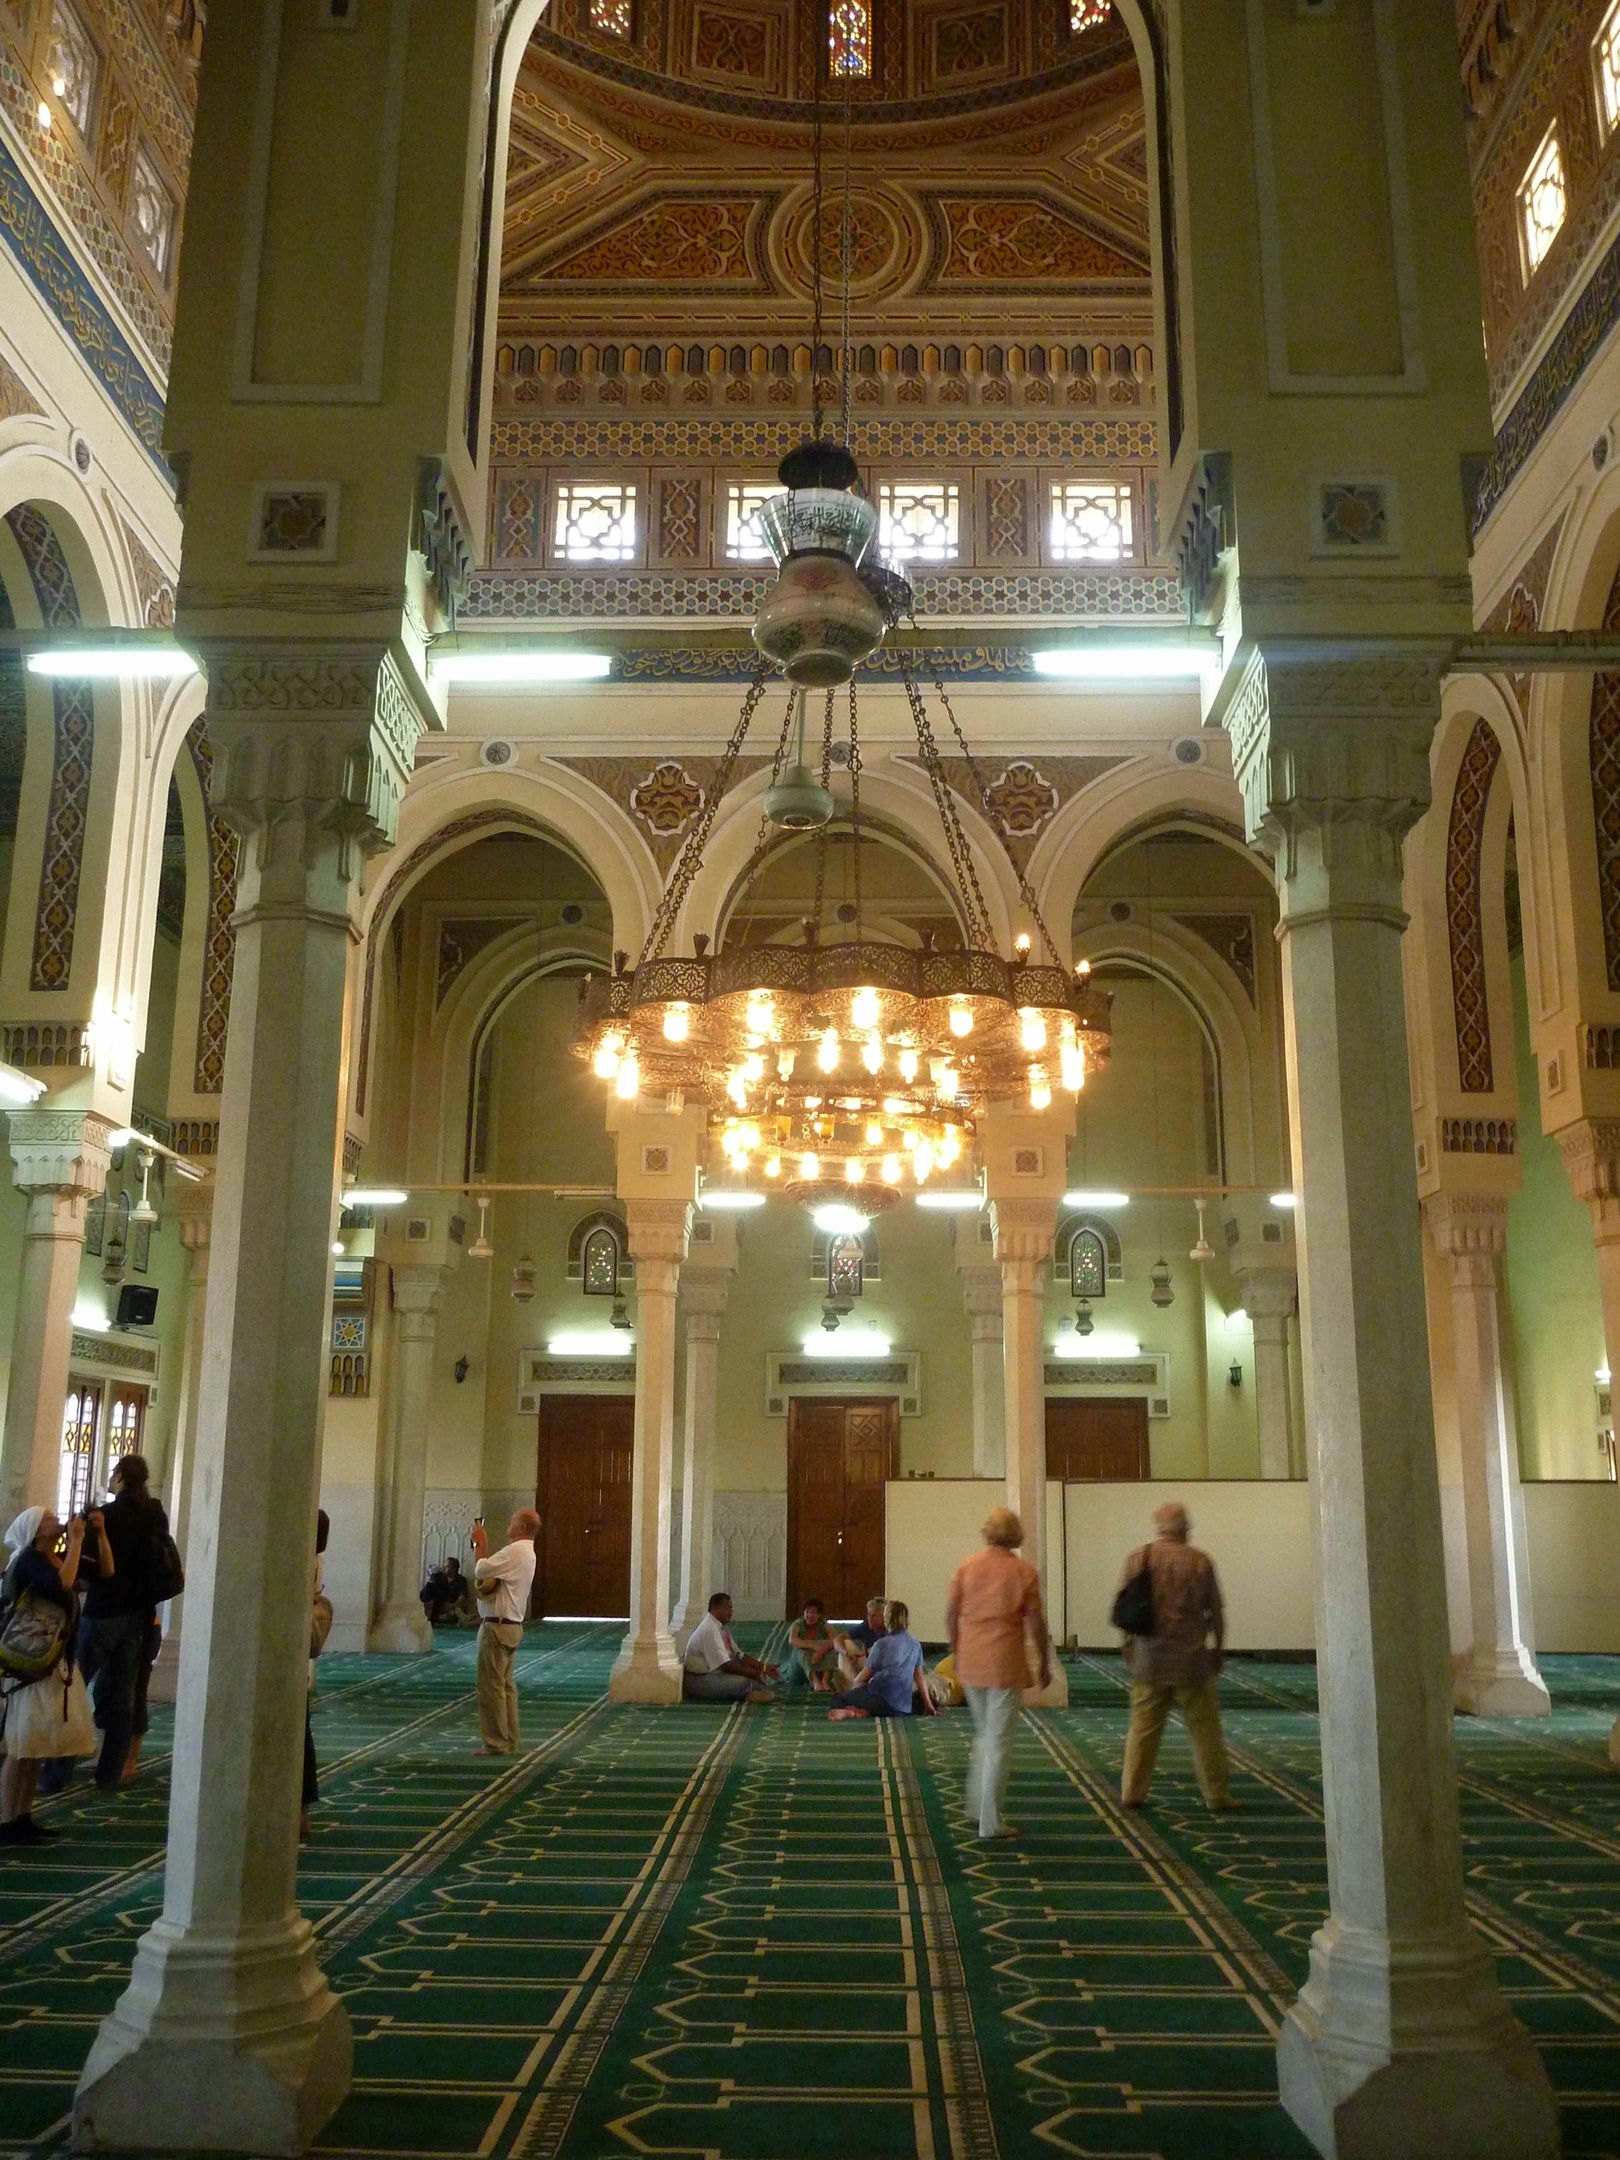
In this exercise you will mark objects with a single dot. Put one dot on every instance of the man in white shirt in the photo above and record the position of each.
(503, 1581)
(716, 1670)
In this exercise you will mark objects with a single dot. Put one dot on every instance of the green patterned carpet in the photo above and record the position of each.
(756, 1936)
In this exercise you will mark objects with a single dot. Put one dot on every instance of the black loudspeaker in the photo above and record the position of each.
(137, 1306)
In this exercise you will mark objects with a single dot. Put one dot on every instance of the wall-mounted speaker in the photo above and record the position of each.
(137, 1306)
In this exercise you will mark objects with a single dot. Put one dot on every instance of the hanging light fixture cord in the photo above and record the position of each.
(691, 855)
(818, 411)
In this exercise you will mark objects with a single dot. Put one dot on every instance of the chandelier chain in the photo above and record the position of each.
(967, 877)
(817, 408)
(821, 830)
(855, 804)
(691, 856)
(846, 256)
(1026, 891)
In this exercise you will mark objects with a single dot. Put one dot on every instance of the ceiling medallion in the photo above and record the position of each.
(848, 1070)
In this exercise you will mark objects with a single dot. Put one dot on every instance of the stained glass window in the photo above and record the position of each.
(73, 65)
(849, 37)
(599, 1264)
(919, 520)
(744, 501)
(1088, 1265)
(1091, 522)
(596, 522)
(1606, 68)
(846, 1267)
(151, 210)
(1543, 202)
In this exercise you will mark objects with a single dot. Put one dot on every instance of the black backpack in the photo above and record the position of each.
(1133, 1608)
(165, 1576)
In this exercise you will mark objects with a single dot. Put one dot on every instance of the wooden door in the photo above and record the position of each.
(582, 1490)
(1095, 1438)
(840, 1457)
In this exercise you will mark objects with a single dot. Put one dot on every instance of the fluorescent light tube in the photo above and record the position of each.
(520, 667)
(1101, 1345)
(968, 1202)
(19, 1087)
(1282, 1200)
(1126, 663)
(374, 1196)
(591, 1342)
(723, 1198)
(1097, 1199)
(847, 1342)
(112, 662)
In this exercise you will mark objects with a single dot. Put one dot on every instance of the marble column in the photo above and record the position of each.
(981, 1299)
(1023, 1231)
(194, 1210)
(59, 1160)
(1270, 1298)
(1400, 2041)
(227, 2038)
(400, 1623)
(703, 1296)
(647, 1669)
(1498, 1677)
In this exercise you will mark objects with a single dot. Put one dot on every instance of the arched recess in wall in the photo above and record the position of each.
(1129, 805)
(409, 864)
(1229, 1129)
(471, 1049)
(901, 889)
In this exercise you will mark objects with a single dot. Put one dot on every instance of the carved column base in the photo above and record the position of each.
(400, 1631)
(1494, 1683)
(647, 1670)
(228, 2040)
(1394, 2049)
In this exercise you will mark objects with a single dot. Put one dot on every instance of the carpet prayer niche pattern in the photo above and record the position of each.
(756, 1936)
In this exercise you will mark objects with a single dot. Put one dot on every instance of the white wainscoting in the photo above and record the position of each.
(348, 1562)
(447, 1514)
(750, 1552)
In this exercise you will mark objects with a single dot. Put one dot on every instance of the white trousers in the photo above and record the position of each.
(995, 1718)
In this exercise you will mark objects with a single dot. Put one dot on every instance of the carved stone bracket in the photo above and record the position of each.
(659, 1232)
(1591, 1151)
(1469, 1229)
(1023, 1229)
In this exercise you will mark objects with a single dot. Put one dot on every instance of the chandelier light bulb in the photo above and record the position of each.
(872, 1054)
(810, 1168)
(785, 1060)
(677, 1022)
(1022, 942)
(894, 1107)
(761, 1016)
(1040, 1091)
(1073, 1060)
(1083, 970)
(855, 1170)
(908, 1066)
(922, 1161)
(864, 1009)
(750, 1136)
(950, 1149)
(606, 1061)
(961, 1019)
(891, 1169)
(827, 1053)
(773, 1166)
(949, 1082)
(1031, 1028)
(753, 1067)
(874, 1135)
(627, 1080)
(737, 1089)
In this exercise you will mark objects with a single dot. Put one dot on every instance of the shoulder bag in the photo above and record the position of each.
(1133, 1608)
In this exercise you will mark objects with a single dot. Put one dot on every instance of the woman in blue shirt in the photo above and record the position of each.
(891, 1678)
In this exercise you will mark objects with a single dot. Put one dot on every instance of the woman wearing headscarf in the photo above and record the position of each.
(48, 1717)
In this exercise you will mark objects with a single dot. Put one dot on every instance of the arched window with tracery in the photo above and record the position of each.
(599, 1263)
(1088, 1264)
(849, 39)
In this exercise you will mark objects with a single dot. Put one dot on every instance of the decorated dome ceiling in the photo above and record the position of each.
(659, 181)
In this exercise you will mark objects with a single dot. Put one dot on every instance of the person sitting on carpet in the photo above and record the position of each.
(891, 1680)
(811, 1650)
(447, 1597)
(856, 1642)
(715, 1670)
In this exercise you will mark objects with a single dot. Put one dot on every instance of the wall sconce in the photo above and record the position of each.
(1234, 1377)
(461, 1368)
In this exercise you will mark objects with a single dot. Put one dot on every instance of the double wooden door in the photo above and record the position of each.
(582, 1490)
(1097, 1437)
(841, 1455)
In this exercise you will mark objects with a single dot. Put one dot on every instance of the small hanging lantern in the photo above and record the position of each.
(523, 1282)
(620, 1316)
(1159, 1276)
(1083, 1322)
(481, 1248)
(1203, 1250)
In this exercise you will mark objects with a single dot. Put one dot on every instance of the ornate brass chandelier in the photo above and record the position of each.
(849, 1069)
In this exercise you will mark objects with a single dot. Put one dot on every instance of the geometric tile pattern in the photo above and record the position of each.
(1076, 595)
(1465, 915)
(754, 1935)
(57, 909)
(219, 949)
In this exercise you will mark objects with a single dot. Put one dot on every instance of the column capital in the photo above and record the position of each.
(981, 1293)
(704, 1292)
(1591, 1151)
(192, 1207)
(311, 739)
(418, 1290)
(60, 1151)
(1023, 1229)
(1269, 1293)
(659, 1230)
(1330, 740)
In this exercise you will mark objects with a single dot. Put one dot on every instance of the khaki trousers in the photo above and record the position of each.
(497, 1690)
(1150, 1712)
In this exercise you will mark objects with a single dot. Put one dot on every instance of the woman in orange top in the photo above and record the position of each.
(991, 1609)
